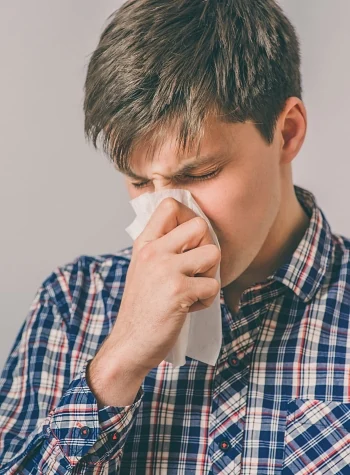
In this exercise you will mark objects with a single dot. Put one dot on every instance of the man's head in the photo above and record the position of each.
(174, 80)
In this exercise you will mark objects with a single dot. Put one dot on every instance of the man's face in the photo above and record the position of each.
(241, 201)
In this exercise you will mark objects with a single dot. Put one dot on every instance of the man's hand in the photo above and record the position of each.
(171, 273)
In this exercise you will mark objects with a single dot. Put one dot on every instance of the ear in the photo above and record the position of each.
(292, 125)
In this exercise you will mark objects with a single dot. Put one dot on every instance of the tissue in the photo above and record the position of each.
(201, 335)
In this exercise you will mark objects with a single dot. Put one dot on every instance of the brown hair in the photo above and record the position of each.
(161, 63)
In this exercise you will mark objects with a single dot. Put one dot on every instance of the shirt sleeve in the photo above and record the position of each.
(49, 419)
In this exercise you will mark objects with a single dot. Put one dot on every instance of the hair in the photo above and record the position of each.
(161, 64)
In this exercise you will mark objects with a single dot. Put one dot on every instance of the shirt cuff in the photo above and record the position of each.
(83, 430)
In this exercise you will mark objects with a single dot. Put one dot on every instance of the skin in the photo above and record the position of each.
(251, 203)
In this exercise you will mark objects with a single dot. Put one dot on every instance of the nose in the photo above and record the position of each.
(160, 184)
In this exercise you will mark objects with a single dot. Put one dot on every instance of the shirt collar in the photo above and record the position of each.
(307, 267)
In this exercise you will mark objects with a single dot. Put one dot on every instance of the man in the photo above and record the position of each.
(205, 96)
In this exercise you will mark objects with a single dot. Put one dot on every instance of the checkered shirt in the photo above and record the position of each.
(276, 402)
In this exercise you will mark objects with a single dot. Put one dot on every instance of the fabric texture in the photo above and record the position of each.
(276, 402)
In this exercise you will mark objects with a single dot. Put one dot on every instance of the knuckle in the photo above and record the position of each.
(176, 287)
(201, 223)
(137, 246)
(147, 253)
(170, 204)
(216, 252)
(216, 286)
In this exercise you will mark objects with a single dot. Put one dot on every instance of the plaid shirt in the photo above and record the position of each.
(277, 401)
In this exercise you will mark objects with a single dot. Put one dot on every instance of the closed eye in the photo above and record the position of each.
(184, 178)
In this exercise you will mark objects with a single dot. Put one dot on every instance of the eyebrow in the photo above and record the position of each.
(196, 163)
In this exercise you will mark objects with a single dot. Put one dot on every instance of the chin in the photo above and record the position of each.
(230, 273)
(227, 279)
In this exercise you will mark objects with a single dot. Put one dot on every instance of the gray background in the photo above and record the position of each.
(60, 198)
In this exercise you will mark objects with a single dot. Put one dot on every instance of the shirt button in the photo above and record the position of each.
(224, 445)
(85, 432)
(115, 436)
(233, 361)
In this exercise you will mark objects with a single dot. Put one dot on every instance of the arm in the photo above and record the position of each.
(45, 409)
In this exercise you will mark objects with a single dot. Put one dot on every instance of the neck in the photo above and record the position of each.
(285, 235)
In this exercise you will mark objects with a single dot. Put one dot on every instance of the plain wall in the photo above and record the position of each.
(60, 198)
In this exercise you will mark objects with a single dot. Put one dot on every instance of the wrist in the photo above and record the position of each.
(113, 386)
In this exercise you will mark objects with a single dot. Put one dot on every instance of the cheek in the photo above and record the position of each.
(241, 203)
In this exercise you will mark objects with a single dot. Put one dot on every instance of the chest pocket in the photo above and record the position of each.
(317, 438)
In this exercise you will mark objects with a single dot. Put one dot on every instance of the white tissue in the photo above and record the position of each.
(201, 335)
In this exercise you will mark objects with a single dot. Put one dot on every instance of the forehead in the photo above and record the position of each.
(217, 143)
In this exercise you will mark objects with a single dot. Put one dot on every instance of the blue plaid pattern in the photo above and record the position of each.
(276, 402)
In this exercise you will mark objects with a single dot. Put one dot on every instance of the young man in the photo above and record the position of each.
(213, 86)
